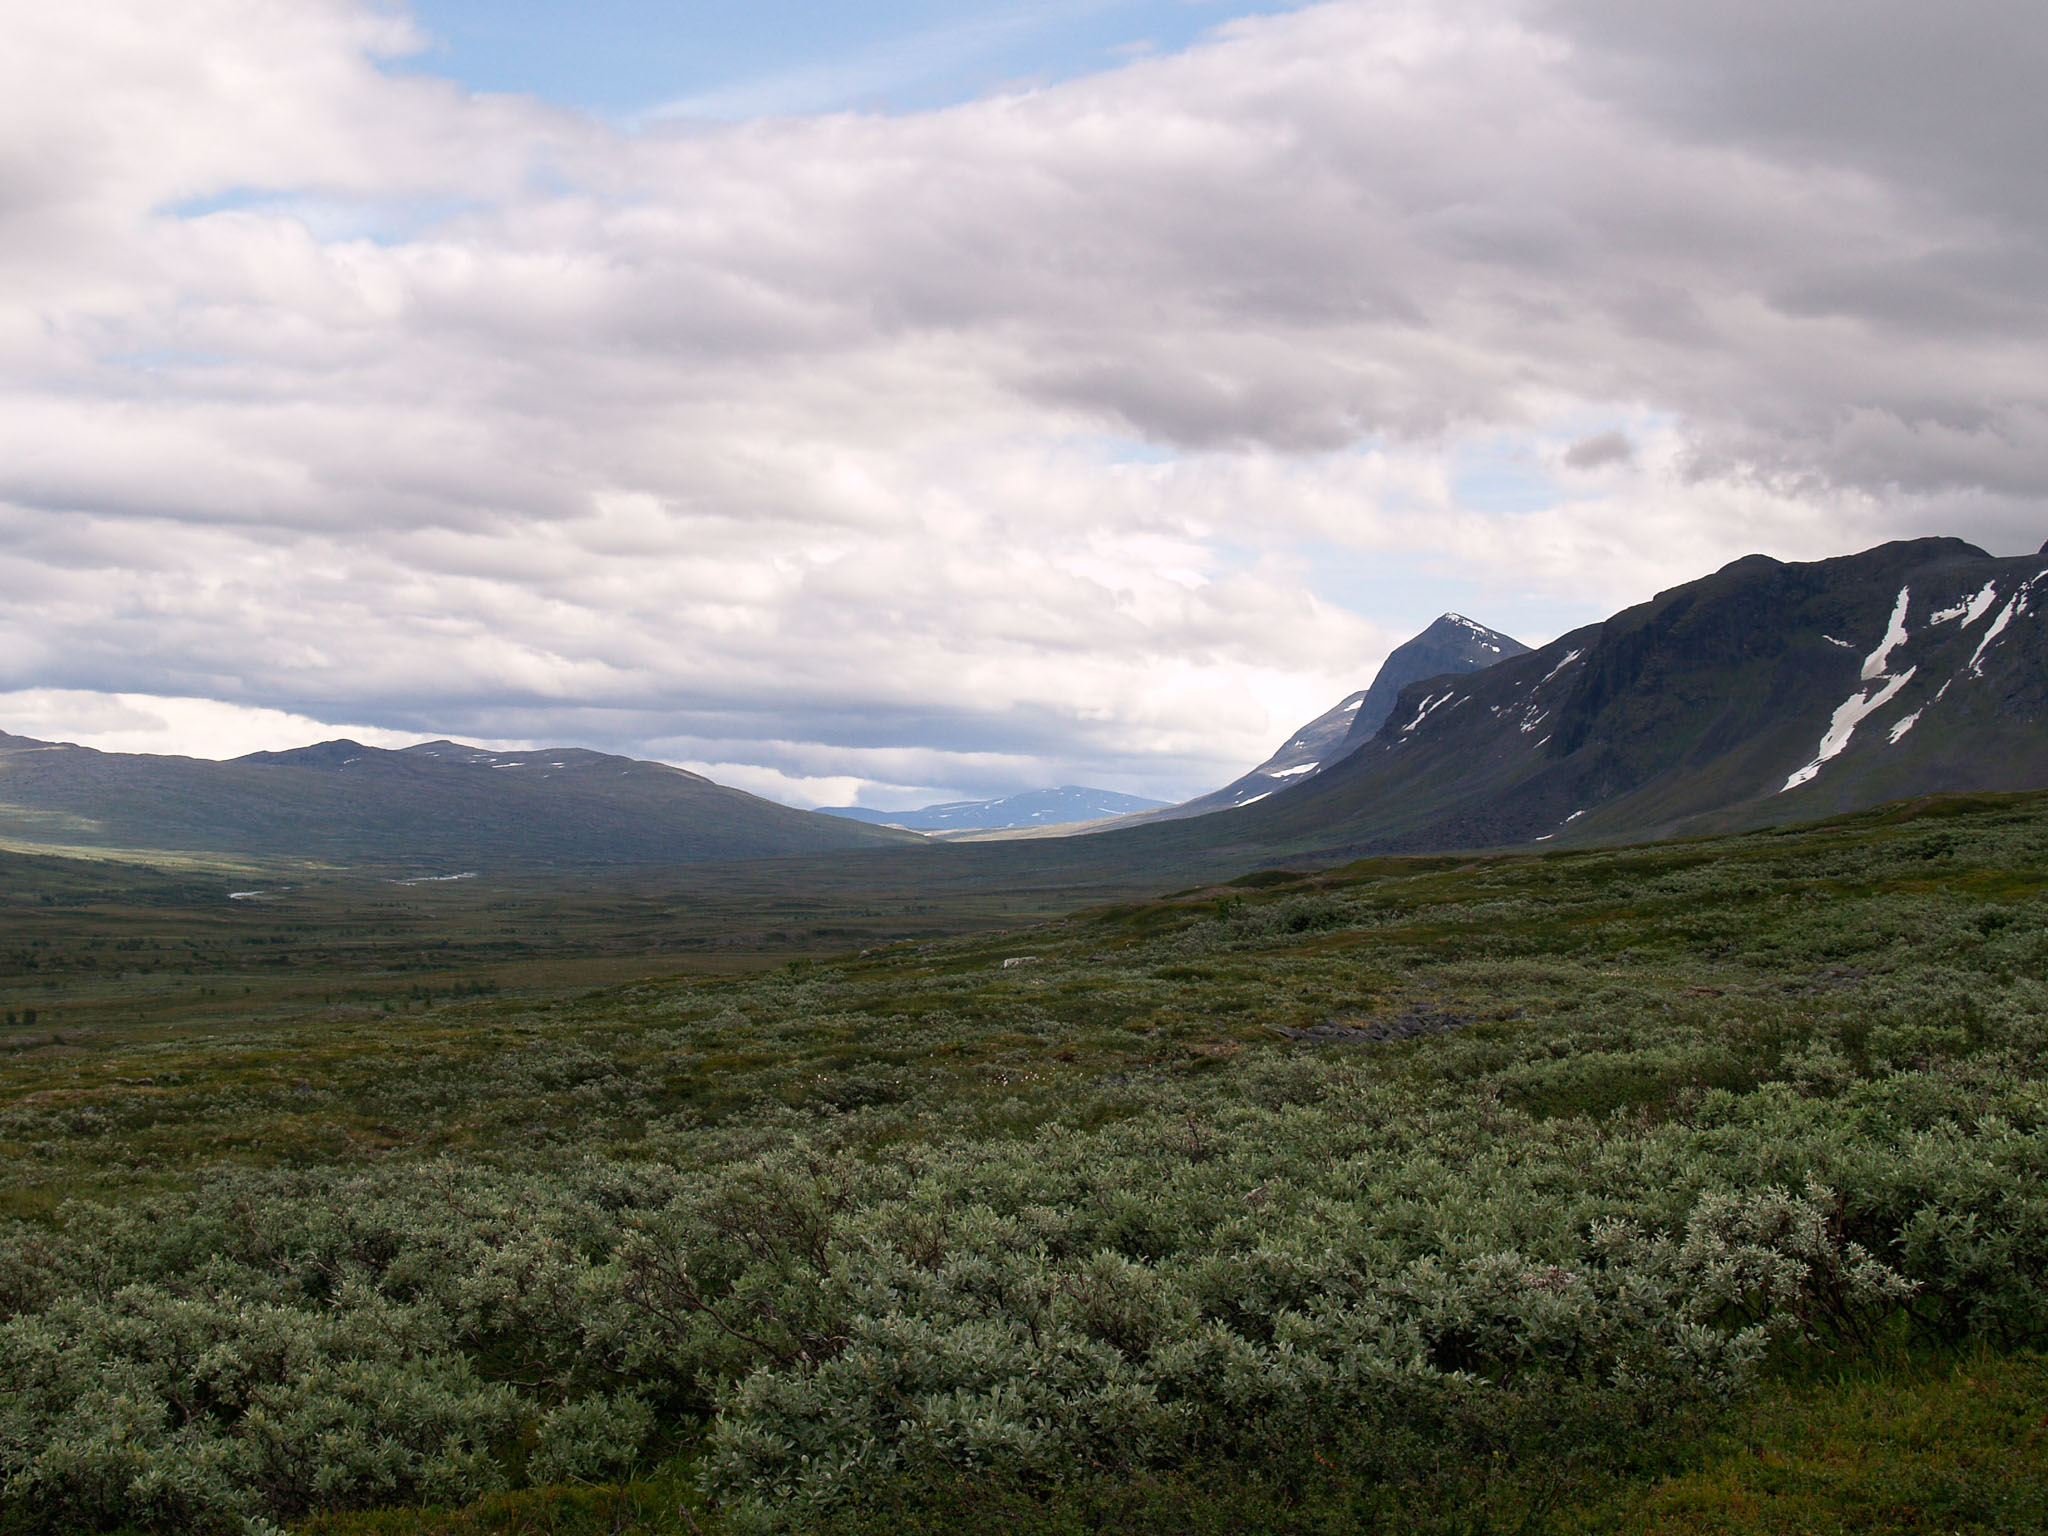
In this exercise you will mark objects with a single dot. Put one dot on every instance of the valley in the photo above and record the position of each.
(112, 944)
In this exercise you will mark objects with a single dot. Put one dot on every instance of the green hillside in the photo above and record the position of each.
(439, 808)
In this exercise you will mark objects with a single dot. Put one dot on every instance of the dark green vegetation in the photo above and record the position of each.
(1964, 1449)
(1641, 1189)
(103, 951)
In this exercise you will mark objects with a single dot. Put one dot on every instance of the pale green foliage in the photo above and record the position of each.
(1774, 1257)
(1130, 1297)
(591, 1439)
(188, 1408)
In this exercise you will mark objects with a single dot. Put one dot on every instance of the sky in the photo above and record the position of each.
(920, 401)
(636, 62)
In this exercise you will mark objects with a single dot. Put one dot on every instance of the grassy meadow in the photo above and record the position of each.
(1684, 1188)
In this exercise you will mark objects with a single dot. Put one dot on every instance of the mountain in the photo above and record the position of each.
(1034, 808)
(1453, 643)
(440, 807)
(1765, 693)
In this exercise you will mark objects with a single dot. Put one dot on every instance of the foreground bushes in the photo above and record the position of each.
(1393, 1273)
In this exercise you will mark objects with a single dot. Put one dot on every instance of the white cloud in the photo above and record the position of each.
(133, 722)
(1022, 438)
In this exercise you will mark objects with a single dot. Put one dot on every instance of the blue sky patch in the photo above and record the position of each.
(634, 59)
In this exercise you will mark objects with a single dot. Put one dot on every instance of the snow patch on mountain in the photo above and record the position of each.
(1879, 661)
(1964, 609)
(1976, 667)
(1852, 712)
(1422, 714)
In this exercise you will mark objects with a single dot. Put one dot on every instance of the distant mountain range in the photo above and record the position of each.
(439, 807)
(1765, 693)
(1452, 644)
(1034, 808)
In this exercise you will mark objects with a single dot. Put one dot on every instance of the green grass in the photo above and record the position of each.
(1955, 1451)
(669, 1505)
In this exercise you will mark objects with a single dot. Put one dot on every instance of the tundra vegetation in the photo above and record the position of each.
(1679, 1188)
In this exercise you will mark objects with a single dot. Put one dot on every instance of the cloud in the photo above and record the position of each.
(1599, 450)
(128, 722)
(1018, 439)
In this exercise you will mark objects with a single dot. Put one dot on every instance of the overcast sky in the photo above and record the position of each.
(920, 400)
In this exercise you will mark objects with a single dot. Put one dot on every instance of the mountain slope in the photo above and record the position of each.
(439, 805)
(1762, 694)
(1033, 808)
(1452, 644)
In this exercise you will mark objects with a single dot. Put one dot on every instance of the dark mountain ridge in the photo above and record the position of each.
(1452, 643)
(1764, 693)
(436, 804)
